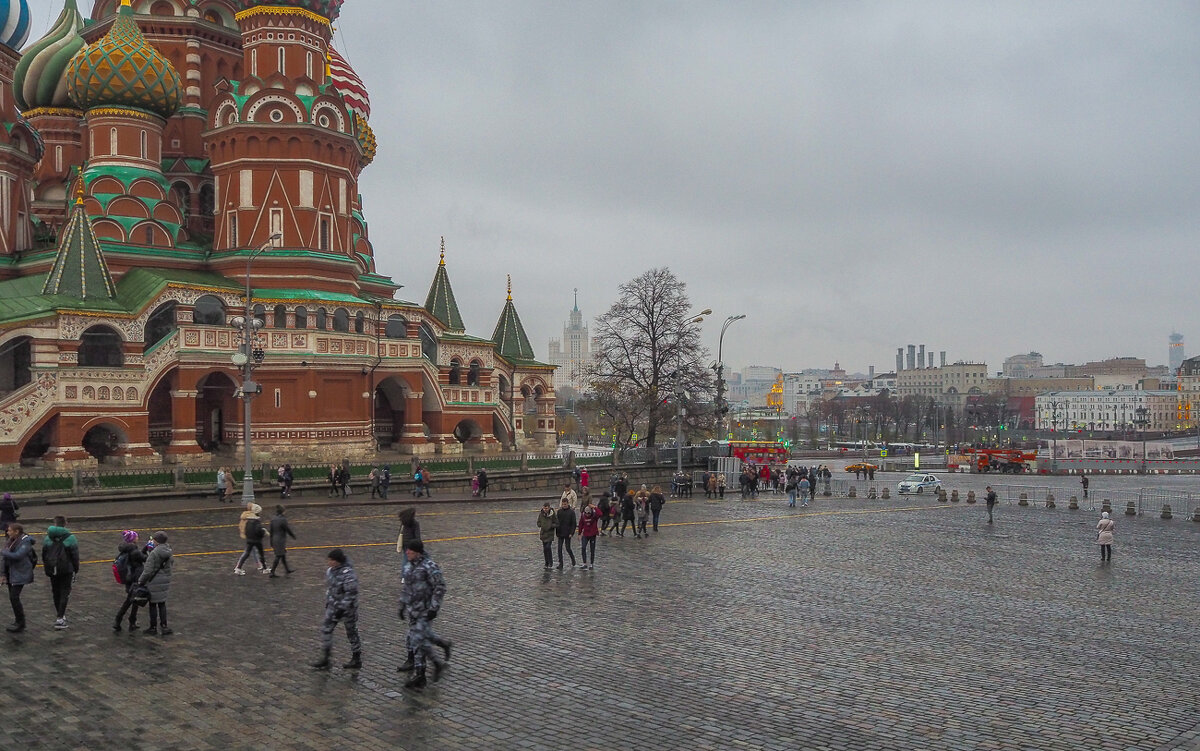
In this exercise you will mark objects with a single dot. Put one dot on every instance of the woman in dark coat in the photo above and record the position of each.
(156, 576)
(410, 529)
(626, 514)
(136, 558)
(8, 511)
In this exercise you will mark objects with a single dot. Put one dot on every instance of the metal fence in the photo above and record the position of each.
(1145, 500)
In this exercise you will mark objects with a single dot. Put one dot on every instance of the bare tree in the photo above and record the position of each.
(648, 355)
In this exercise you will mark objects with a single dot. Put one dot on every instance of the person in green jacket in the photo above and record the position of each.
(60, 562)
(547, 523)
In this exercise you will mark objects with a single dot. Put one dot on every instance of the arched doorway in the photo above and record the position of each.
(40, 442)
(390, 397)
(215, 405)
(160, 416)
(468, 432)
(103, 442)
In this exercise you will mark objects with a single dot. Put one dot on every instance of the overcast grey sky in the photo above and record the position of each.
(985, 178)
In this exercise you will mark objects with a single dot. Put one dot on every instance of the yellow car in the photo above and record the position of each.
(861, 467)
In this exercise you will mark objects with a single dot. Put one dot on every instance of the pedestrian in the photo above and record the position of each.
(1083, 480)
(1104, 536)
(279, 475)
(569, 496)
(8, 511)
(374, 479)
(280, 531)
(385, 481)
(475, 485)
(418, 478)
(60, 562)
(547, 523)
(584, 479)
(589, 529)
(721, 482)
(605, 506)
(334, 475)
(791, 488)
(871, 472)
(641, 507)
(130, 562)
(565, 529)
(19, 560)
(289, 478)
(343, 478)
(627, 505)
(156, 577)
(427, 482)
(483, 482)
(420, 600)
(991, 502)
(656, 504)
(222, 484)
(710, 485)
(341, 606)
(804, 487)
(251, 530)
(410, 529)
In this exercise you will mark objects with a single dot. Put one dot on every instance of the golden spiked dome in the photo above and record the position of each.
(124, 70)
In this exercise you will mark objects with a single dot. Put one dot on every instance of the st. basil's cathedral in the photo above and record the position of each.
(158, 160)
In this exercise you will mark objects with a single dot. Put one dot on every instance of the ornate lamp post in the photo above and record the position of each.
(247, 359)
(721, 409)
(1054, 405)
(678, 377)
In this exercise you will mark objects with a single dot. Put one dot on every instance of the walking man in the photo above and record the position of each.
(547, 524)
(385, 481)
(991, 502)
(280, 531)
(341, 606)
(420, 601)
(1083, 480)
(19, 560)
(566, 528)
(60, 561)
(483, 482)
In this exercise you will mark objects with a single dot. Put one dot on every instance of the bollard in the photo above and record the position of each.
(1130, 509)
(954, 496)
(1049, 500)
(1074, 504)
(941, 494)
(1196, 515)
(1024, 501)
(1166, 512)
(853, 492)
(1107, 506)
(886, 493)
(970, 496)
(871, 493)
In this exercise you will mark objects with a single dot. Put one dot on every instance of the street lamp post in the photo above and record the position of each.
(247, 358)
(1054, 405)
(721, 375)
(1142, 421)
(694, 318)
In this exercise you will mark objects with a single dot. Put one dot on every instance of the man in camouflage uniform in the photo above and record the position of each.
(341, 606)
(420, 600)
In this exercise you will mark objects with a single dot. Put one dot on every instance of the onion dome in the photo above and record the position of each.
(326, 8)
(366, 138)
(40, 78)
(347, 83)
(14, 23)
(124, 70)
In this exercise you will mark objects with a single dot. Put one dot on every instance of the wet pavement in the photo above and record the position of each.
(851, 624)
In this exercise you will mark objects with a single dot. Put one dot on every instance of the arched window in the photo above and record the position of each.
(260, 312)
(341, 320)
(209, 311)
(397, 327)
(473, 374)
(160, 324)
(15, 364)
(100, 347)
(301, 317)
(280, 316)
(322, 320)
(359, 322)
(455, 372)
(428, 343)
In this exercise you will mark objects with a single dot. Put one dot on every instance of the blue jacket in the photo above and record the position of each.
(18, 561)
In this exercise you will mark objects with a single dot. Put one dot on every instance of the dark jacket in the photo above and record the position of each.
(656, 501)
(8, 510)
(137, 562)
(627, 507)
(424, 588)
(341, 590)
(483, 479)
(53, 535)
(280, 531)
(566, 521)
(156, 575)
(410, 529)
(18, 564)
(547, 524)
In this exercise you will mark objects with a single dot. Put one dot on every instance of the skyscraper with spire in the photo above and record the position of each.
(573, 353)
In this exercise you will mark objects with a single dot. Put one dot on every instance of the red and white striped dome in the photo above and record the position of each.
(347, 83)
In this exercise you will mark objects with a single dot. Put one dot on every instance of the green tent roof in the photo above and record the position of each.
(440, 301)
(79, 269)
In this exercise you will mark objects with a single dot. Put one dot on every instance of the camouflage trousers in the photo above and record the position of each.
(331, 622)
(420, 641)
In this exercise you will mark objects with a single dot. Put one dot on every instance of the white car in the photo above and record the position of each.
(919, 483)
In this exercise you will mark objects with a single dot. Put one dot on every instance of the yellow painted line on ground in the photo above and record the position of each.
(496, 535)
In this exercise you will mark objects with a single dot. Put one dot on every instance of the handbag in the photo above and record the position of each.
(139, 595)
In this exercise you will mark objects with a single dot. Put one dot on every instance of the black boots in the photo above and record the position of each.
(16, 628)
(418, 679)
(323, 663)
(406, 667)
(355, 662)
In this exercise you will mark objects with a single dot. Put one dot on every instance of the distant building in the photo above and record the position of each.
(573, 353)
(948, 385)
(1175, 352)
(1113, 373)
(1106, 410)
(1019, 366)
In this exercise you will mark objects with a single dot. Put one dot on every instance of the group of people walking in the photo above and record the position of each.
(612, 515)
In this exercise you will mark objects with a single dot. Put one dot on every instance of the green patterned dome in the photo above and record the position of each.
(123, 70)
(325, 8)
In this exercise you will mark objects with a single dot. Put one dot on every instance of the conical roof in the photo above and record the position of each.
(40, 77)
(124, 70)
(509, 336)
(14, 23)
(440, 301)
(79, 269)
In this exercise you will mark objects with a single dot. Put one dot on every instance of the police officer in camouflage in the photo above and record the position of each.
(420, 600)
(341, 606)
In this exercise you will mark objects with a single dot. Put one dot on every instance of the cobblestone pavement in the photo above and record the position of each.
(852, 624)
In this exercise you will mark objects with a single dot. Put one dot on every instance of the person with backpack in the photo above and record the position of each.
(8, 511)
(19, 559)
(251, 529)
(156, 578)
(127, 568)
(60, 562)
(280, 531)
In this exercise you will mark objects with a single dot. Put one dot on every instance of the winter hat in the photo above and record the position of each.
(8, 496)
(129, 536)
(255, 509)
(1104, 515)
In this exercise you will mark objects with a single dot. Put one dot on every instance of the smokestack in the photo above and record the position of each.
(943, 354)
(899, 359)
(871, 372)
(921, 357)
(912, 356)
